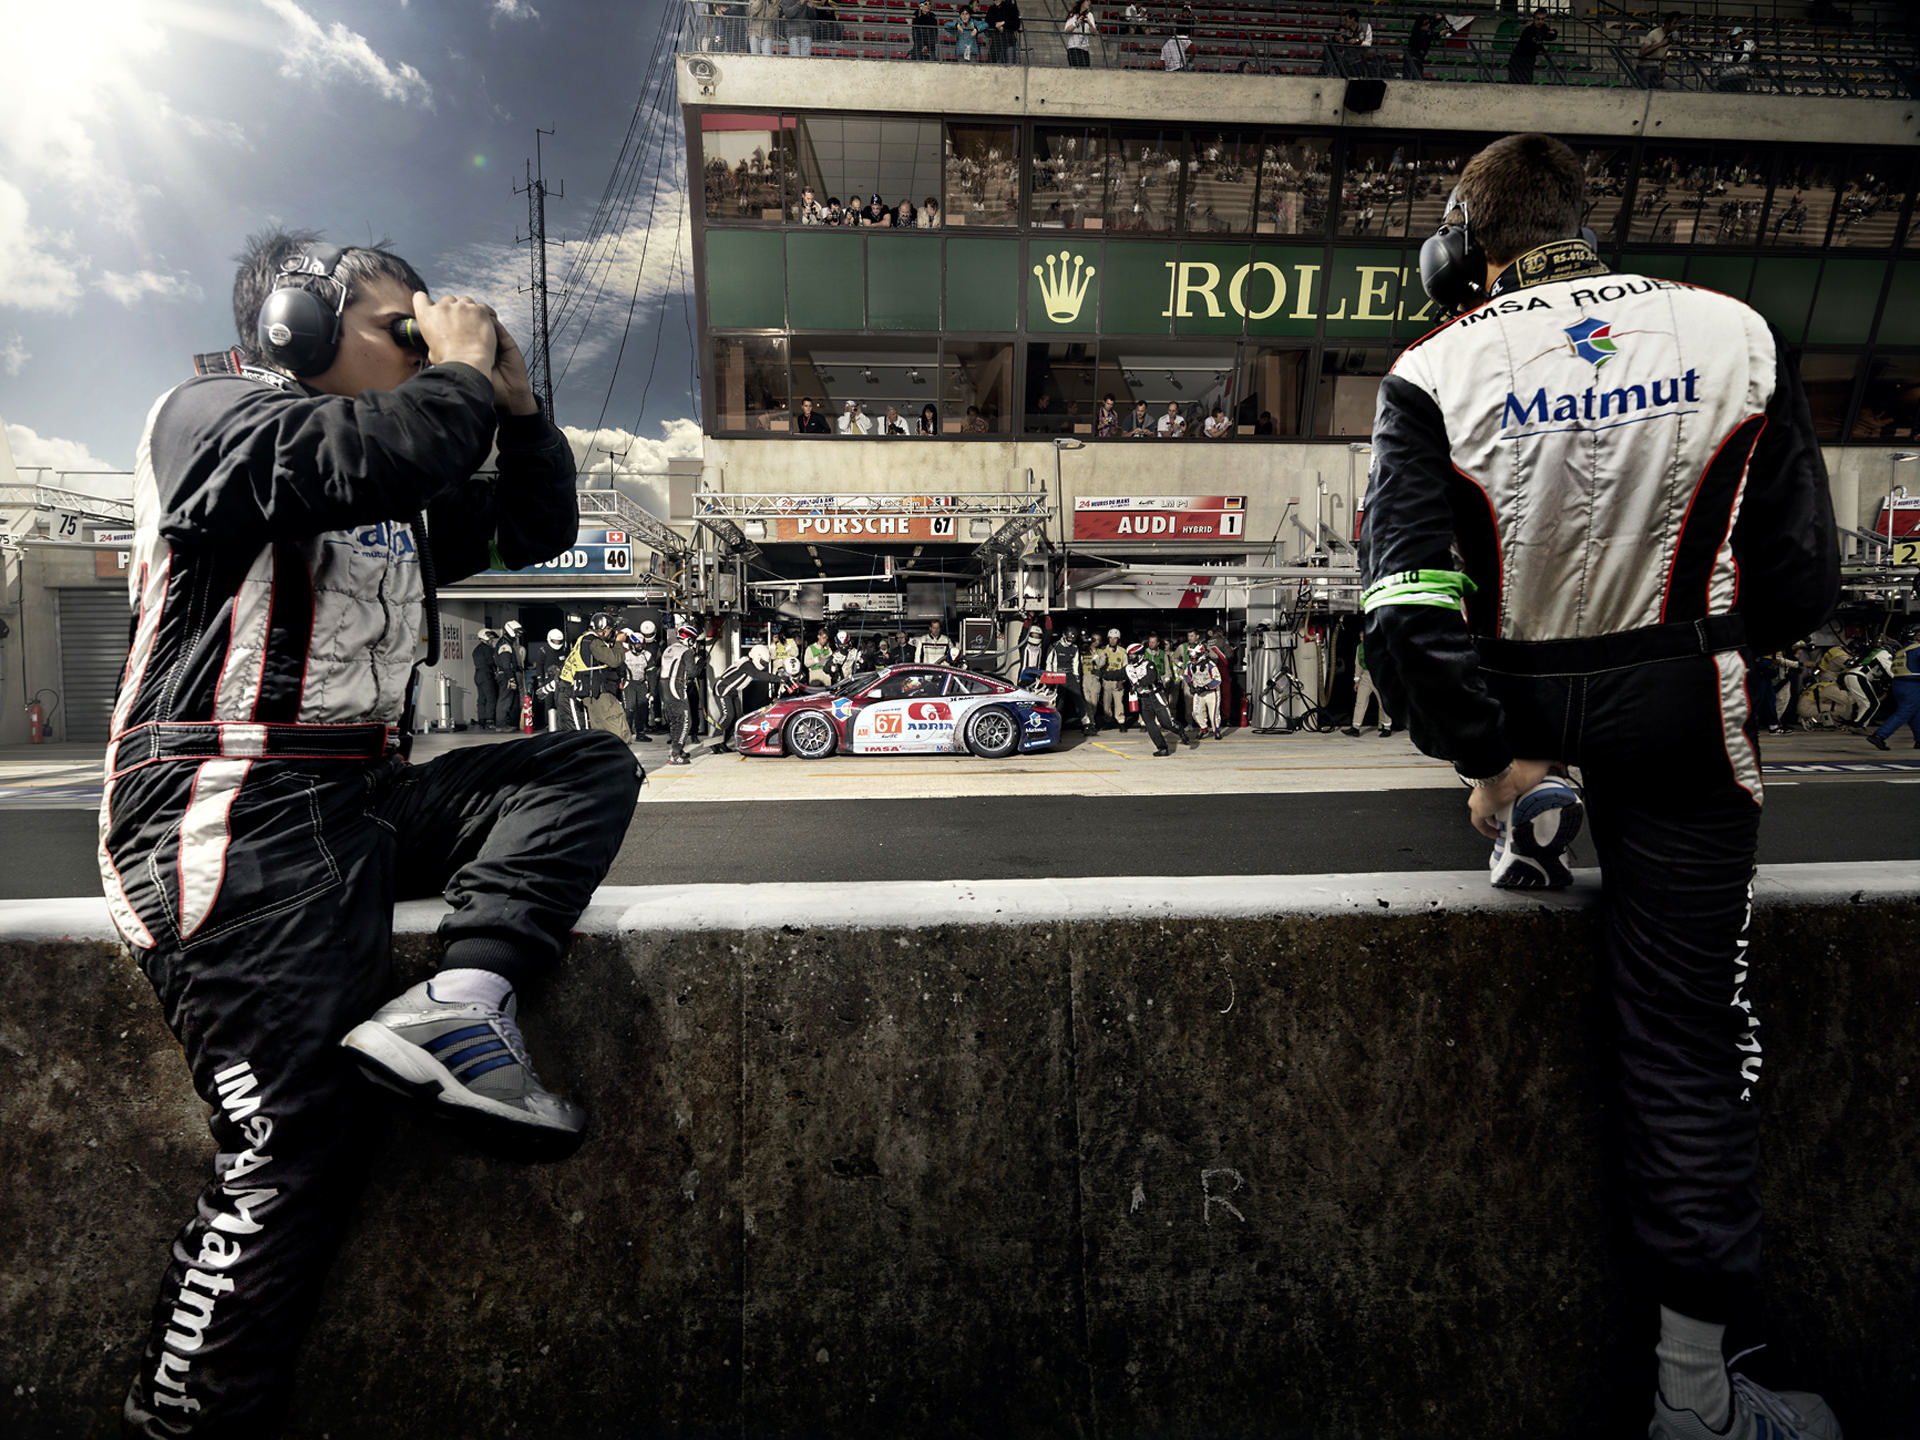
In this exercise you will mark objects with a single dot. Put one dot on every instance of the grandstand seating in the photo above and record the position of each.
(1872, 57)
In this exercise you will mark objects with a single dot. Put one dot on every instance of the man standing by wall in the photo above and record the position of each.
(1905, 669)
(486, 681)
(1637, 677)
(933, 648)
(680, 669)
(509, 668)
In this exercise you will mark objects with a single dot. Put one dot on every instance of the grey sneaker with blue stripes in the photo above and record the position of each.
(468, 1062)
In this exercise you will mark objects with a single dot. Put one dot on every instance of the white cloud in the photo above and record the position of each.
(14, 355)
(128, 289)
(38, 269)
(514, 10)
(31, 449)
(322, 54)
(620, 452)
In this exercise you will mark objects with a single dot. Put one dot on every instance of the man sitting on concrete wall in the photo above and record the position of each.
(1614, 572)
(260, 818)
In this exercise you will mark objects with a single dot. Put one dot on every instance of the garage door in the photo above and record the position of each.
(93, 652)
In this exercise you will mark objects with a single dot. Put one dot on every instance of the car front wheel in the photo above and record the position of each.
(810, 736)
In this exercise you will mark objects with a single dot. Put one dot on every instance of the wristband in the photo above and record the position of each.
(1487, 782)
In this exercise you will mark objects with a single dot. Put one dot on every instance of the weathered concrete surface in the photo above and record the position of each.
(1335, 1170)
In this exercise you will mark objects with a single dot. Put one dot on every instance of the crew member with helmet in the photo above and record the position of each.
(1110, 662)
(486, 680)
(594, 669)
(1145, 695)
(935, 647)
(680, 669)
(509, 668)
(1904, 664)
(848, 660)
(784, 648)
(790, 680)
(636, 694)
(1202, 678)
(1033, 654)
(261, 816)
(1065, 661)
(547, 685)
(734, 684)
(1695, 538)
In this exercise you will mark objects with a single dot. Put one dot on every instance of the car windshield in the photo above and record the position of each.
(854, 684)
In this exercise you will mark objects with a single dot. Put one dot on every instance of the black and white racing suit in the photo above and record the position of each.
(735, 685)
(680, 668)
(1628, 473)
(258, 821)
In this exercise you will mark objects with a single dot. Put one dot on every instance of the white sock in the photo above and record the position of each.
(1693, 1369)
(470, 987)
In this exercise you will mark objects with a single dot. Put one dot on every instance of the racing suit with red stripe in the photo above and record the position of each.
(258, 821)
(1627, 473)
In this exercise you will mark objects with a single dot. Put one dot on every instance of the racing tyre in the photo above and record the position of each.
(993, 733)
(810, 736)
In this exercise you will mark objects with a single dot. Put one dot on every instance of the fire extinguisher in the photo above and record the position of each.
(37, 722)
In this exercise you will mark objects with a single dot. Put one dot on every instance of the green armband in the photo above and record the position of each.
(494, 561)
(1442, 588)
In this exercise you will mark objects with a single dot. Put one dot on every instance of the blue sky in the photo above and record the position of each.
(141, 141)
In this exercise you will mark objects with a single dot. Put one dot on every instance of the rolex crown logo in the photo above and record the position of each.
(1063, 293)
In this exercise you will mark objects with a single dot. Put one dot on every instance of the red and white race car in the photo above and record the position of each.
(904, 710)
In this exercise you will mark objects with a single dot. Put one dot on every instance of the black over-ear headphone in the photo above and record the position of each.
(297, 330)
(1453, 267)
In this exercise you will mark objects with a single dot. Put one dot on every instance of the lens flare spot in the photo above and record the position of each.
(479, 162)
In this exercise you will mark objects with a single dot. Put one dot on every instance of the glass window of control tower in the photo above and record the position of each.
(1223, 174)
(1296, 173)
(1068, 177)
(747, 168)
(1144, 173)
(855, 157)
(1870, 200)
(749, 375)
(976, 387)
(983, 175)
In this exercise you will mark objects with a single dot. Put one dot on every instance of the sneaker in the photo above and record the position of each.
(1162, 751)
(678, 760)
(1876, 742)
(1386, 731)
(1219, 734)
(1758, 1414)
(1534, 833)
(644, 738)
(1353, 730)
(470, 1060)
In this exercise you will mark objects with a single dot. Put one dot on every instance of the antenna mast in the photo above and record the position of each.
(539, 366)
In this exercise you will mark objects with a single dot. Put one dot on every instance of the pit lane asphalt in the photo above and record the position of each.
(1251, 805)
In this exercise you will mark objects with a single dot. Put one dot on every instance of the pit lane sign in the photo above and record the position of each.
(853, 525)
(594, 552)
(1159, 517)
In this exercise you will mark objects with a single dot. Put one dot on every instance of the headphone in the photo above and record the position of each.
(297, 330)
(1453, 267)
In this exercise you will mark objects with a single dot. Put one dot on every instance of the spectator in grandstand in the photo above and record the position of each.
(895, 424)
(833, 214)
(929, 420)
(1133, 19)
(796, 26)
(1177, 53)
(904, 217)
(1173, 424)
(810, 421)
(1140, 427)
(854, 419)
(975, 423)
(1217, 426)
(876, 215)
(925, 31)
(763, 25)
(930, 213)
(826, 24)
(1106, 420)
(1733, 61)
(1426, 28)
(1653, 50)
(1003, 31)
(1264, 425)
(1183, 20)
(1044, 420)
(966, 29)
(1345, 48)
(1528, 47)
(809, 208)
(1080, 27)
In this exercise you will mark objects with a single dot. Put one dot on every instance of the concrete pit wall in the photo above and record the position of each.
(1274, 1158)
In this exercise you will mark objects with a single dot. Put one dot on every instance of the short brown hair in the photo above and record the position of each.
(1523, 191)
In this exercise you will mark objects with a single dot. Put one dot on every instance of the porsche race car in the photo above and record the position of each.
(904, 710)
